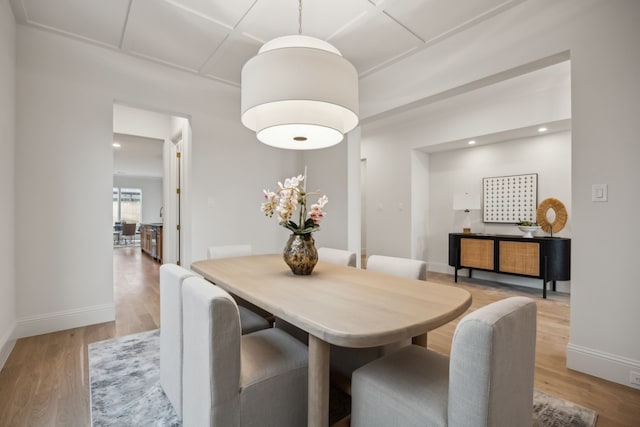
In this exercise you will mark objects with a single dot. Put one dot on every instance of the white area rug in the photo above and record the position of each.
(124, 376)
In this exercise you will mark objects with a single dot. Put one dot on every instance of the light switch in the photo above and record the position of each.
(599, 193)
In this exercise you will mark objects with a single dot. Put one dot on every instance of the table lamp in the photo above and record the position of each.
(466, 202)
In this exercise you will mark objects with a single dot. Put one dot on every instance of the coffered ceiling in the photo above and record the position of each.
(214, 38)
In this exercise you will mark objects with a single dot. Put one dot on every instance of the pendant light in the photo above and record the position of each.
(299, 93)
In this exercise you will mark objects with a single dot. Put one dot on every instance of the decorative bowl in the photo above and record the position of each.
(528, 229)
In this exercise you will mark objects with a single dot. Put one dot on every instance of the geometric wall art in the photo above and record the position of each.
(510, 199)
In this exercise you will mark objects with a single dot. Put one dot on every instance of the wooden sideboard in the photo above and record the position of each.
(546, 258)
(151, 240)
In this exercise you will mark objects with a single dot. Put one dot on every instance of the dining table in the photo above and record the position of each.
(340, 305)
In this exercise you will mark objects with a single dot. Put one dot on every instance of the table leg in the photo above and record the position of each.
(420, 340)
(318, 398)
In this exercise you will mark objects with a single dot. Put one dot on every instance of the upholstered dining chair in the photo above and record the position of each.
(228, 251)
(334, 256)
(171, 330)
(486, 382)
(337, 256)
(404, 267)
(229, 379)
(171, 279)
(345, 360)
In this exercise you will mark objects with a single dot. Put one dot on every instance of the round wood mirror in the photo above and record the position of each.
(551, 215)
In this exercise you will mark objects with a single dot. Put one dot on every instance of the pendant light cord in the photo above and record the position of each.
(299, 17)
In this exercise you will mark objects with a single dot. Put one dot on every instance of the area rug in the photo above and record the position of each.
(124, 375)
(549, 411)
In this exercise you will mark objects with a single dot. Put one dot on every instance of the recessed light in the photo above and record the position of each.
(472, 142)
(542, 129)
(116, 145)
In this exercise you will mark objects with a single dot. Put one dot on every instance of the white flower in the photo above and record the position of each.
(287, 199)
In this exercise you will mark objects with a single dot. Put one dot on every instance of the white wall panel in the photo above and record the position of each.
(605, 62)
(66, 92)
(7, 179)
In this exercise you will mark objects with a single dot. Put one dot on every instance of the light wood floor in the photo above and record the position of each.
(45, 380)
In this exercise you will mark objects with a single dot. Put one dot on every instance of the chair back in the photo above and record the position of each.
(129, 229)
(492, 364)
(404, 267)
(171, 279)
(228, 251)
(211, 370)
(337, 256)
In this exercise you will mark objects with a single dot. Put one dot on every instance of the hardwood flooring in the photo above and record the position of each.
(45, 380)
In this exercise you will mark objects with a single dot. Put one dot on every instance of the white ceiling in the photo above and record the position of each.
(137, 156)
(214, 38)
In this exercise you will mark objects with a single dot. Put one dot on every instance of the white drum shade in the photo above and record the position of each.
(299, 93)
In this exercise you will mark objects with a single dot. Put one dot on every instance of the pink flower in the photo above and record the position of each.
(287, 199)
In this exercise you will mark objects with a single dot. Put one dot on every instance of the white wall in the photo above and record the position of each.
(130, 120)
(151, 195)
(327, 174)
(602, 38)
(460, 171)
(7, 181)
(396, 176)
(64, 172)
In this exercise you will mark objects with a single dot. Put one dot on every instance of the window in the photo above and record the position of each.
(127, 205)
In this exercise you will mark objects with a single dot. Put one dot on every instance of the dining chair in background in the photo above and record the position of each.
(231, 379)
(228, 251)
(345, 360)
(334, 256)
(128, 232)
(487, 380)
(404, 267)
(337, 256)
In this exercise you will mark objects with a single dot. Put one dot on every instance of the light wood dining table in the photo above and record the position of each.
(338, 305)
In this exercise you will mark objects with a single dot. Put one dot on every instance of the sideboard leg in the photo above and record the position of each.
(470, 274)
(544, 284)
(554, 286)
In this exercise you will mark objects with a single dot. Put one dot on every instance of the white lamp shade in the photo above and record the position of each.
(300, 97)
(466, 201)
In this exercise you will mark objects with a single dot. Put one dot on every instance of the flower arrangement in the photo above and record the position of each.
(289, 197)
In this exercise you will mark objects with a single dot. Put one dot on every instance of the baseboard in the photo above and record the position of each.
(68, 319)
(6, 345)
(506, 279)
(608, 366)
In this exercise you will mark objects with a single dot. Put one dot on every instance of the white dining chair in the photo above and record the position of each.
(229, 379)
(337, 256)
(171, 330)
(345, 360)
(171, 279)
(334, 256)
(486, 382)
(228, 251)
(404, 267)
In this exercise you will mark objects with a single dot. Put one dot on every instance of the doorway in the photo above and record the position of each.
(149, 155)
